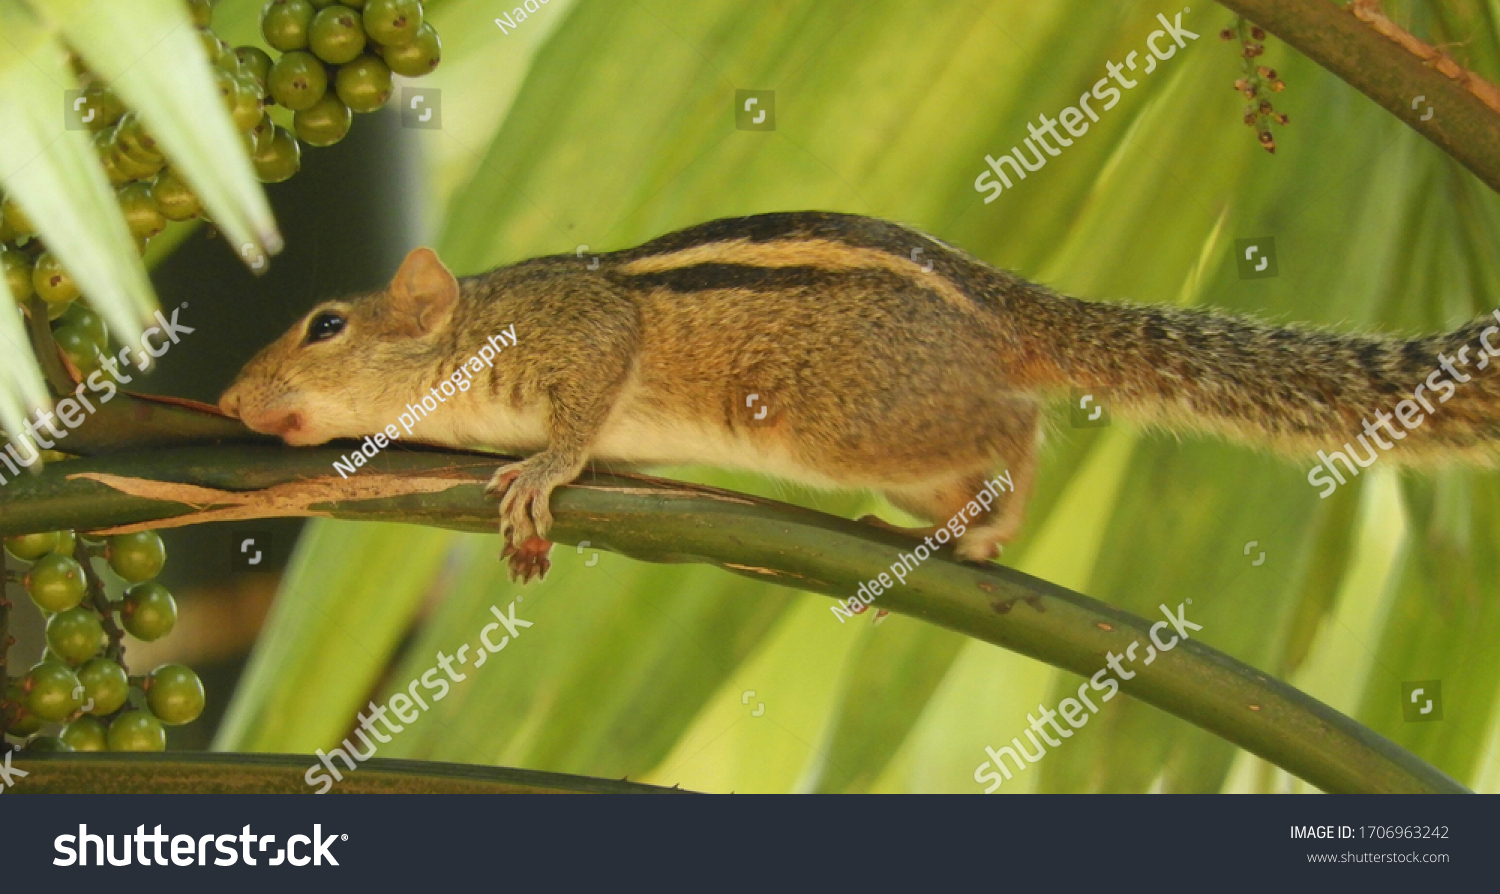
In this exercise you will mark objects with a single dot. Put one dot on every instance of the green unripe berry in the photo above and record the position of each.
(417, 58)
(56, 583)
(278, 158)
(137, 731)
(255, 61)
(131, 135)
(66, 540)
(24, 723)
(132, 167)
(86, 733)
(83, 317)
(51, 281)
(17, 265)
(298, 80)
(285, 23)
(393, 23)
(173, 197)
(141, 214)
(258, 136)
(100, 108)
(30, 547)
(52, 691)
(241, 95)
(82, 351)
(75, 635)
(337, 35)
(363, 85)
(136, 557)
(18, 721)
(175, 694)
(324, 123)
(214, 48)
(228, 87)
(112, 170)
(149, 612)
(105, 685)
(46, 745)
(202, 11)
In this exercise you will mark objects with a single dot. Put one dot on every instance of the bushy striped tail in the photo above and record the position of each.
(1294, 389)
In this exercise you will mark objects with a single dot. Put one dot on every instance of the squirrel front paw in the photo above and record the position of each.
(523, 489)
(528, 560)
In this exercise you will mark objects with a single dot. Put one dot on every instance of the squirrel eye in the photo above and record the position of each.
(324, 326)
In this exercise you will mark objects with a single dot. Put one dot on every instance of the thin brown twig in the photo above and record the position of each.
(100, 600)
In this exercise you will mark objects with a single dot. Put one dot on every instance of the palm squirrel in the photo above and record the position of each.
(832, 350)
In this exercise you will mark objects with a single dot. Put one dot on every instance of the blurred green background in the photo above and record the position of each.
(606, 123)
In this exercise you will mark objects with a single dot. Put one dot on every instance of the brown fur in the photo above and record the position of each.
(914, 373)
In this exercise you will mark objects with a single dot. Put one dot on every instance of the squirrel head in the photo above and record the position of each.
(329, 375)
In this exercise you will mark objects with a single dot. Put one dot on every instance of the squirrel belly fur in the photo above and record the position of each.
(877, 357)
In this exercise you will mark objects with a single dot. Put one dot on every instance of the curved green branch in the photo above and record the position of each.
(663, 521)
(198, 772)
(1449, 115)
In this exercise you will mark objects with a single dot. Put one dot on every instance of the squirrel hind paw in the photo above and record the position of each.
(528, 560)
(981, 551)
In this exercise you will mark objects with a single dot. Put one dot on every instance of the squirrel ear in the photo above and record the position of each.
(423, 291)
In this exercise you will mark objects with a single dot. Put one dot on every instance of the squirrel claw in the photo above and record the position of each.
(529, 560)
(502, 481)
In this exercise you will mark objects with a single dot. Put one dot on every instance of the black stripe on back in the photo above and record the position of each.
(848, 229)
(707, 277)
(702, 277)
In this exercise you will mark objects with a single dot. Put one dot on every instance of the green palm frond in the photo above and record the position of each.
(151, 54)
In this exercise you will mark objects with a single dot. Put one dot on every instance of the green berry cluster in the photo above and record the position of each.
(81, 681)
(336, 58)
